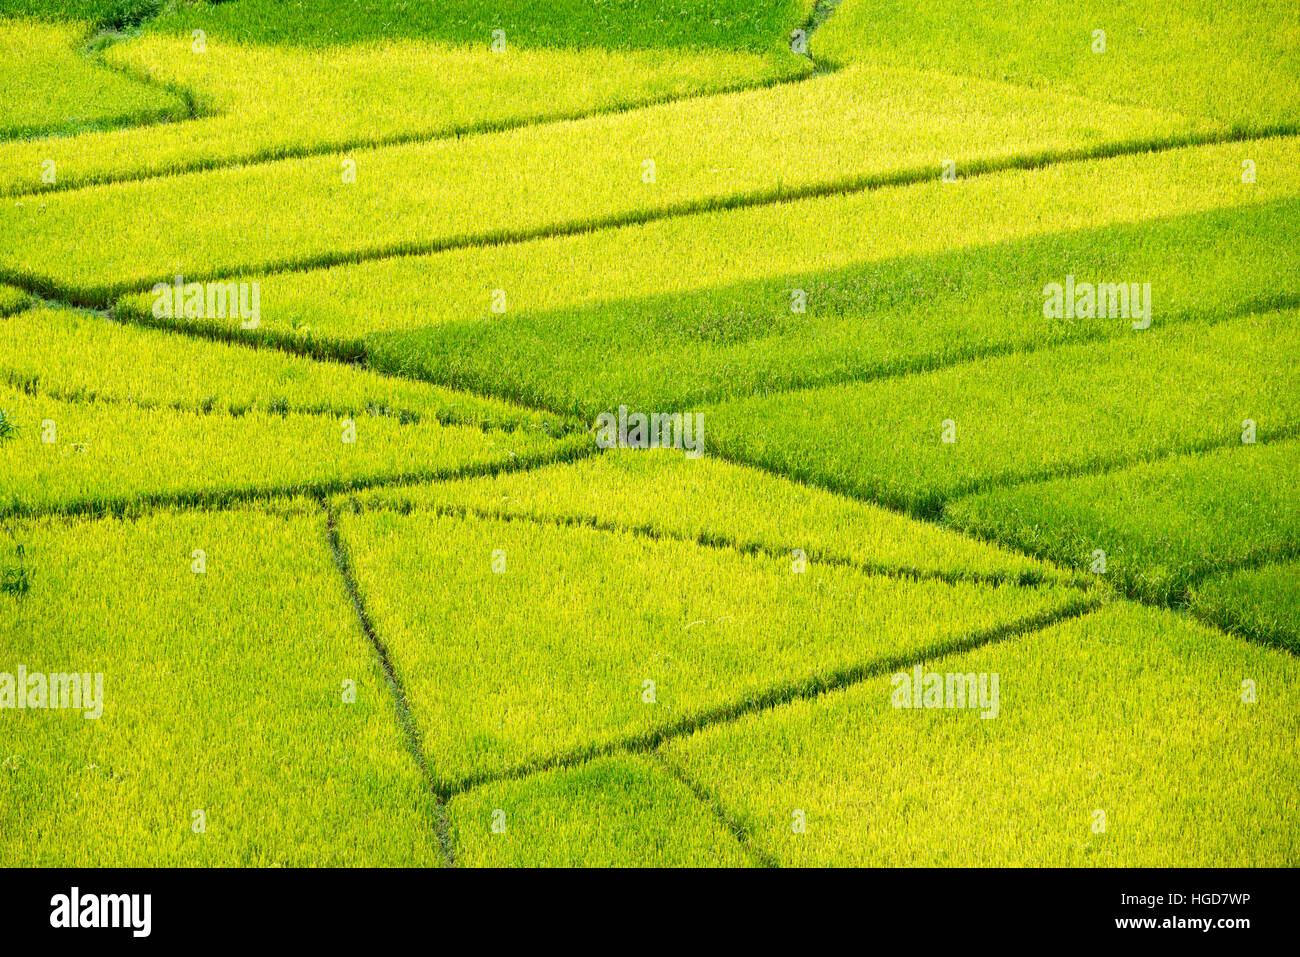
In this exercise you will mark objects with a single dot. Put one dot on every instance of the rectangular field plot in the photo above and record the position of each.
(660, 25)
(664, 494)
(624, 167)
(1261, 603)
(448, 297)
(267, 102)
(1162, 525)
(620, 811)
(870, 320)
(1239, 63)
(224, 738)
(518, 642)
(82, 455)
(1121, 739)
(919, 440)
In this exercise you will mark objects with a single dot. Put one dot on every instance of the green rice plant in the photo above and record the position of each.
(110, 14)
(1261, 603)
(1121, 739)
(1237, 62)
(46, 86)
(756, 146)
(408, 616)
(666, 495)
(518, 643)
(258, 102)
(917, 441)
(225, 736)
(1162, 525)
(575, 24)
(12, 299)
(93, 455)
(879, 318)
(387, 307)
(81, 357)
(620, 811)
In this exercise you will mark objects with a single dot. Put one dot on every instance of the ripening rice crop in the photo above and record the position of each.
(47, 87)
(599, 637)
(83, 357)
(917, 441)
(1237, 63)
(664, 494)
(1098, 714)
(619, 811)
(377, 76)
(870, 320)
(666, 159)
(80, 456)
(1262, 603)
(390, 307)
(223, 702)
(1163, 525)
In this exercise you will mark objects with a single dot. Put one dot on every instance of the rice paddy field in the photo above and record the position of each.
(555, 433)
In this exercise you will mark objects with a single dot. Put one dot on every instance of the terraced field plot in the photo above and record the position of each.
(587, 658)
(961, 429)
(46, 86)
(204, 708)
(653, 162)
(348, 87)
(1164, 524)
(1103, 706)
(314, 319)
